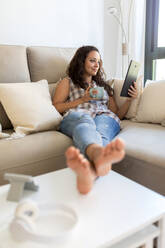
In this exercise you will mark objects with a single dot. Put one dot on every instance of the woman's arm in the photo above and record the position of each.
(122, 111)
(61, 95)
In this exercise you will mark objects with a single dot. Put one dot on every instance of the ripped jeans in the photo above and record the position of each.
(85, 130)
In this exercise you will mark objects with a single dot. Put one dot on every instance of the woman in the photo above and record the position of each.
(90, 121)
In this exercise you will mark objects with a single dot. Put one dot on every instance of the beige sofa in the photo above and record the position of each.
(43, 152)
(40, 152)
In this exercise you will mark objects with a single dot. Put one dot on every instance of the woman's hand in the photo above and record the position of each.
(87, 97)
(132, 91)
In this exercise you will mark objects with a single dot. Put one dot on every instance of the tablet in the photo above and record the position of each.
(131, 77)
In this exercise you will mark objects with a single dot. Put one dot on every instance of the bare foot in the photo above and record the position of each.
(104, 157)
(82, 167)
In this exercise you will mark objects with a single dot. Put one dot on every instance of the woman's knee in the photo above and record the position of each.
(78, 117)
(76, 120)
(86, 119)
(85, 134)
(85, 128)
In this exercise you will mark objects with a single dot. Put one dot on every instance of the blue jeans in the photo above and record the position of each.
(85, 130)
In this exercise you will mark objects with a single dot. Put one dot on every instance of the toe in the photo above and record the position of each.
(120, 145)
(71, 152)
(109, 148)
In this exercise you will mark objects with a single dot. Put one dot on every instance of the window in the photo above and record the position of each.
(155, 40)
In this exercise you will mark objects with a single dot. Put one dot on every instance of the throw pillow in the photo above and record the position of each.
(151, 107)
(117, 86)
(29, 106)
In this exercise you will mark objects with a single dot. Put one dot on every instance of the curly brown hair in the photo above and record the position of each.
(76, 71)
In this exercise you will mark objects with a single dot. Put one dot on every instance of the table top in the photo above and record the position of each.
(115, 208)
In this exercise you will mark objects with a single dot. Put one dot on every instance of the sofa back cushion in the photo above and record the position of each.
(13, 68)
(13, 64)
(152, 103)
(48, 63)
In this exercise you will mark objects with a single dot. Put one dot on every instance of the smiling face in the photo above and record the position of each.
(92, 63)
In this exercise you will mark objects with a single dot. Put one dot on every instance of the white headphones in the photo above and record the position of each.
(35, 224)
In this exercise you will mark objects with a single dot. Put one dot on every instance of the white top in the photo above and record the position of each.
(115, 208)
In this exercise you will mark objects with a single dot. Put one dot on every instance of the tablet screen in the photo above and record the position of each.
(131, 77)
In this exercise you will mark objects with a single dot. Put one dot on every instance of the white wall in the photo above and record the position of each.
(64, 23)
(133, 22)
(111, 39)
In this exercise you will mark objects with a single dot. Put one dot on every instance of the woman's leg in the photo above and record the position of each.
(86, 174)
(107, 126)
(82, 129)
(103, 158)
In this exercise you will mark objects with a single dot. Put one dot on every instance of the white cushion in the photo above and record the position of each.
(117, 86)
(152, 103)
(29, 106)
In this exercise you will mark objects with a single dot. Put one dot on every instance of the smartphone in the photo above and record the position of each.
(131, 77)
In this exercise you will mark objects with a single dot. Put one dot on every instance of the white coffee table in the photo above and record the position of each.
(117, 213)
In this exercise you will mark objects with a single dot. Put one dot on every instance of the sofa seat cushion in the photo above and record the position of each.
(144, 141)
(32, 148)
